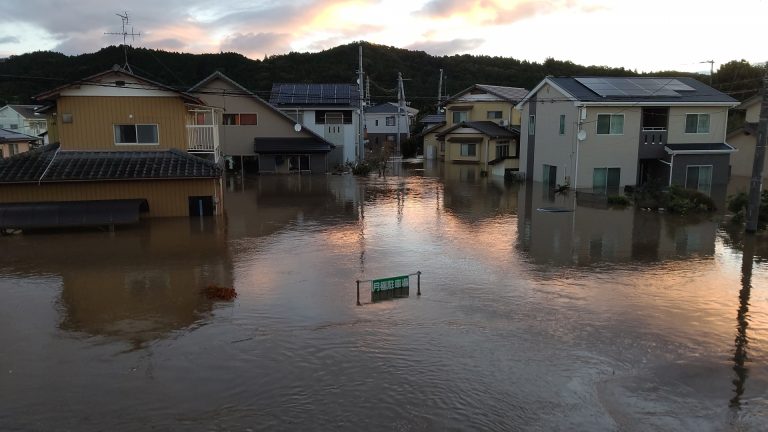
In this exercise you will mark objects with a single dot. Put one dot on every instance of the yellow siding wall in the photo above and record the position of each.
(93, 118)
(479, 112)
(165, 197)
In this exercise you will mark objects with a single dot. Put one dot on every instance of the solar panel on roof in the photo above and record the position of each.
(633, 87)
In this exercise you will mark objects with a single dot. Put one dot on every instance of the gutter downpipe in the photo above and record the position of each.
(670, 163)
(576, 137)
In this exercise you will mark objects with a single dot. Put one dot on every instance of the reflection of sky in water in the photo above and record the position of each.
(591, 320)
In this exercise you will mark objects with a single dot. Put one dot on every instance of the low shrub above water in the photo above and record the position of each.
(673, 199)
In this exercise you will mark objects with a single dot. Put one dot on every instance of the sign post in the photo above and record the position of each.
(392, 287)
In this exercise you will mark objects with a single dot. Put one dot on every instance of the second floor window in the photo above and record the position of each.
(460, 116)
(562, 124)
(239, 119)
(697, 123)
(143, 134)
(610, 124)
(494, 115)
(391, 121)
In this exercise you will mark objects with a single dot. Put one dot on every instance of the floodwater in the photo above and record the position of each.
(592, 319)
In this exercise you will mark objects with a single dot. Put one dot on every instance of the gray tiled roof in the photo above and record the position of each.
(27, 111)
(48, 164)
(382, 108)
(432, 118)
(297, 94)
(12, 135)
(700, 93)
(512, 94)
(485, 127)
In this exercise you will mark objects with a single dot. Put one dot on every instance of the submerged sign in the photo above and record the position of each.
(389, 287)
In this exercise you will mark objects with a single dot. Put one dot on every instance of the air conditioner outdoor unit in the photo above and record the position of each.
(503, 123)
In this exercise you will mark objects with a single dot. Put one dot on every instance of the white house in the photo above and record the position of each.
(603, 133)
(382, 123)
(23, 119)
(329, 110)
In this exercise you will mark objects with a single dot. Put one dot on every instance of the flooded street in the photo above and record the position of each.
(593, 319)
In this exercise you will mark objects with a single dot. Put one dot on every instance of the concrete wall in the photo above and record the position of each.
(382, 128)
(165, 197)
(346, 140)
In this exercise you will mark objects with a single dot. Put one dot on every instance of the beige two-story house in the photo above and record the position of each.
(600, 134)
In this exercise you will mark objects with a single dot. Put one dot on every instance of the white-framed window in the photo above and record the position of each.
(460, 116)
(610, 124)
(531, 124)
(561, 128)
(136, 134)
(240, 119)
(468, 150)
(495, 115)
(699, 177)
(697, 123)
(606, 179)
(390, 120)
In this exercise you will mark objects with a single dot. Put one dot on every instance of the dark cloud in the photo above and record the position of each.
(455, 46)
(9, 40)
(257, 44)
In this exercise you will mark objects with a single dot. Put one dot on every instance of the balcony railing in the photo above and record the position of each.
(201, 138)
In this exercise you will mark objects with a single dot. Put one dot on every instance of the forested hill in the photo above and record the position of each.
(25, 75)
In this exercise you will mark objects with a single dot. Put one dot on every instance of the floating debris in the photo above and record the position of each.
(215, 292)
(554, 209)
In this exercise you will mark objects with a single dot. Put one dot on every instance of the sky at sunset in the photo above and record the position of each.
(638, 34)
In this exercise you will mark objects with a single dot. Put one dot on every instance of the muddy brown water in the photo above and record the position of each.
(594, 319)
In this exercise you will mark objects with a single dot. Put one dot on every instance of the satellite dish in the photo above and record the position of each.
(582, 135)
(297, 127)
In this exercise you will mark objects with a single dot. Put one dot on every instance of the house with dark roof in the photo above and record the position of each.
(23, 119)
(744, 139)
(385, 121)
(496, 149)
(329, 110)
(479, 102)
(13, 142)
(257, 137)
(122, 145)
(599, 134)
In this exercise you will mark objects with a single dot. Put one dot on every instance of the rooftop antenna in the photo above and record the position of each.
(124, 33)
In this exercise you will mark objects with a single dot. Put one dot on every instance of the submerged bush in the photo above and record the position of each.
(618, 200)
(737, 205)
(675, 199)
(360, 168)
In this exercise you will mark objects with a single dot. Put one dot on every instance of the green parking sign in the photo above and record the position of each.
(388, 284)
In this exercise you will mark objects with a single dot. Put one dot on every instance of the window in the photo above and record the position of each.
(562, 124)
(460, 116)
(136, 134)
(390, 121)
(699, 177)
(468, 150)
(14, 126)
(697, 123)
(610, 124)
(494, 115)
(502, 150)
(531, 125)
(13, 149)
(377, 122)
(240, 119)
(606, 179)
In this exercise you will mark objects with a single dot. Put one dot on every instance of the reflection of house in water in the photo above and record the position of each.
(595, 234)
(470, 196)
(141, 285)
(263, 205)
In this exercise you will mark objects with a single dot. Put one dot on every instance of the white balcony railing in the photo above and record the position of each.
(201, 138)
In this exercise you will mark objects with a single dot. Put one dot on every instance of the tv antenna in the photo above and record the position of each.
(125, 34)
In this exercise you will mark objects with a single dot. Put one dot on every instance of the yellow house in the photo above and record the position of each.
(744, 140)
(495, 148)
(121, 145)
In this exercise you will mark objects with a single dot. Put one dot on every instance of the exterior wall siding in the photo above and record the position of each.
(166, 198)
(93, 119)
(717, 125)
(610, 151)
(719, 162)
(479, 111)
(743, 159)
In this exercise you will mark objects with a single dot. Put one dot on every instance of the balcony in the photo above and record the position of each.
(201, 138)
(652, 142)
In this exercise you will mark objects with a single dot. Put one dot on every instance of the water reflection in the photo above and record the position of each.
(594, 233)
(136, 285)
(742, 318)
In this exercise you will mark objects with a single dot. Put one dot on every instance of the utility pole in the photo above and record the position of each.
(440, 92)
(756, 184)
(400, 109)
(361, 115)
